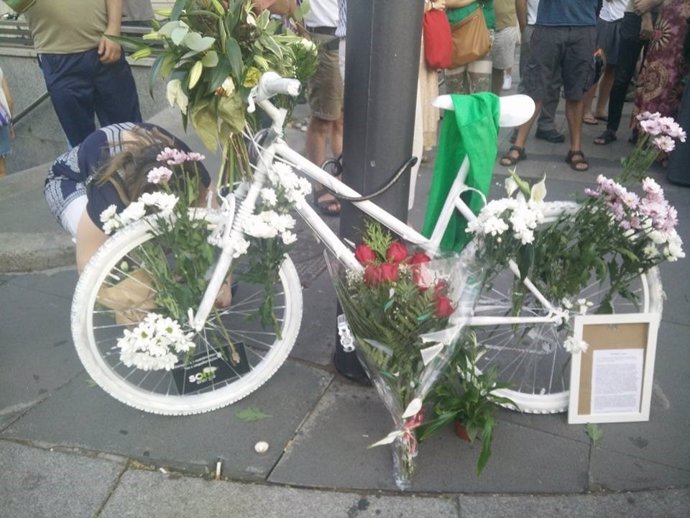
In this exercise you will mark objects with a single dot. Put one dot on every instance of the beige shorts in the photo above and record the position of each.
(503, 49)
(326, 85)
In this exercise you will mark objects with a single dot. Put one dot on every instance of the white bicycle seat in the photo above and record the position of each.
(515, 109)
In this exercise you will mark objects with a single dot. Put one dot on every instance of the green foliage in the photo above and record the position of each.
(594, 432)
(387, 319)
(217, 51)
(252, 414)
(466, 395)
(181, 255)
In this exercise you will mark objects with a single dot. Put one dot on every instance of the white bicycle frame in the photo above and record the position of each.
(514, 110)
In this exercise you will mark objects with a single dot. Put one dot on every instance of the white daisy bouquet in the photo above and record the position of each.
(613, 233)
(178, 261)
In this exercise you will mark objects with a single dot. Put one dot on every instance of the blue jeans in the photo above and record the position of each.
(80, 86)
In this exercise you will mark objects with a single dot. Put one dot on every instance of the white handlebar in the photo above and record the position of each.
(272, 84)
(514, 109)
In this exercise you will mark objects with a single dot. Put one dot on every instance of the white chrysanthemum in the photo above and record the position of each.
(674, 249)
(111, 226)
(108, 214)
(278, 170)
(269, 197)
(133, 212)
(154, 343)
(239, 247)
(288, 237)
(584, 305)
(650, 251)
(574, 346)
(494, 226)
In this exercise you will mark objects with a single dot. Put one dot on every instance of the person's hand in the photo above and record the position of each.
(108, 50)
(644, 6)
(647, 27)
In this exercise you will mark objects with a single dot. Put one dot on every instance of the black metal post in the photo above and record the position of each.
(381, 70)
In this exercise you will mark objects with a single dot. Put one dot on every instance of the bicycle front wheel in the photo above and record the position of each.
(530, 357)
(233, 354)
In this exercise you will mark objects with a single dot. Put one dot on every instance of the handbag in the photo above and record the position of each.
(5, 117)
(438, 43)
(471, 39)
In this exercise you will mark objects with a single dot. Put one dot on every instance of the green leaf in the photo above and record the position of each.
(219, 73)
(234, 54)
(128, 43)
(156, 70)
(252, 414)
(177, 9)
(594, 432)
(525, 260)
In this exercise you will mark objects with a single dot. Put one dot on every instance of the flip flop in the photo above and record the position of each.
(329, 207)
(577, 160)
(507, 160)
(605, 138)
(590, 119)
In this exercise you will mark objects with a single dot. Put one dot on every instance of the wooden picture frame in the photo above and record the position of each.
(611, 382)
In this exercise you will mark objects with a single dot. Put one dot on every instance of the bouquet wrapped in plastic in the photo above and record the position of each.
(405, 311)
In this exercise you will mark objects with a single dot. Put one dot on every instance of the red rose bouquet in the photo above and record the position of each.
(405, 311)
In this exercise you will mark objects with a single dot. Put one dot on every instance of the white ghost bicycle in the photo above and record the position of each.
(528, 349)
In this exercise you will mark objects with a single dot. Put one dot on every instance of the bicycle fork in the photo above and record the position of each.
(232, 232)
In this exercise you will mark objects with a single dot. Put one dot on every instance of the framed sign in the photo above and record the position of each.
(612, 380)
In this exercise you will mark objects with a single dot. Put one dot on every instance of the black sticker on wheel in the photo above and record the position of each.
(202, 370)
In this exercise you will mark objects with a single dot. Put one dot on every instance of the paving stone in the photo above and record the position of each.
(82, 415)
(672, 503)
(35, 482)
(349, 418)
(141, 493)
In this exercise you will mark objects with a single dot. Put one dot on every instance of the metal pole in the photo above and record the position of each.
(381, 70)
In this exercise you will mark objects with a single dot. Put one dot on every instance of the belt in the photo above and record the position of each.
(329, 31)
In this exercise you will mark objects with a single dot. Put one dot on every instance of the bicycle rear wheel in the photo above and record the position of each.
(530, 357)
(233, 354)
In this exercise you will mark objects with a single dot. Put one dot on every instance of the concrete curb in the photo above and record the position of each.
(29, 252)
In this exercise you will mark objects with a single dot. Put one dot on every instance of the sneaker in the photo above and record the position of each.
(507, 81)
(550, 136)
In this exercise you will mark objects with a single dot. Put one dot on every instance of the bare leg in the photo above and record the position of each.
(337, 137)
(587, 104)
(3, 171)
(605, 86)
(318, 132)
(497, 75)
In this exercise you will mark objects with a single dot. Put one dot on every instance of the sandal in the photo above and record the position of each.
(590, 119)
(508, 160)
(577, 161)
(327, 207)
(605, 138)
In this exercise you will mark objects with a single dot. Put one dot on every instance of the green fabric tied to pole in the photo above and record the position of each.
(472, 132)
